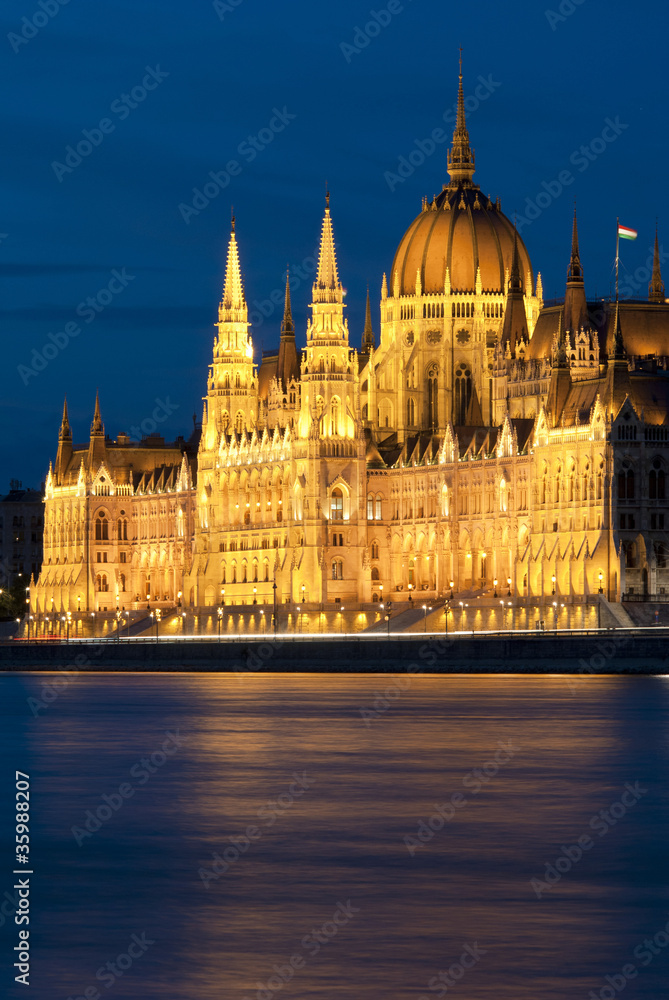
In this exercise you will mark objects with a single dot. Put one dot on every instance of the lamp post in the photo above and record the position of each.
(553, 580)
(274, 622)
(341, 621)
(601, 577)
(425, 609)
(447, 608)
(127, 624)
(219, 612)
(262, 619)
(298, 623)
(452, 585)
(410, 589)
(508, 584)
(158, 617)
(495, 591)
(255, 591)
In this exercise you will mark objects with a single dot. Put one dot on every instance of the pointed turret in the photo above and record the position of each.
(64, 445)
(560, 381)
(575, 305)
(288, 366)
(233, 288)
(461, 156)
(514, 328)
(368, 343)
(97, 451)
(327, 287)
(656, 287)
(618, 385)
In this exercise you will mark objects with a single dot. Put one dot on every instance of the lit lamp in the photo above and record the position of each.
(601, 577)
(410, 589)
(255, 591)
(219, 612)
(495, 585)
(508, 583)
(553, 590)
(452, 585)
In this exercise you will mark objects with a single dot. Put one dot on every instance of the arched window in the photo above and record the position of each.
(370, 507)
(432, 398)
(225, 420)
(626, 484)
(656, 482)
(337, 505)
(503, 499)
(411, 412)
(463, 392)
(321, 365)
(239, 422)
(334, 415)
(266, 565)
(412, 576)
(375, 550)
(123, 530)
(122, 583)
(333, 365)
(338, 569)
(101, 527)
(375, 573)
(444, 501)
(226, 380)
(238, 381)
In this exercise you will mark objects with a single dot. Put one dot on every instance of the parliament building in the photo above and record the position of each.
(484, 441)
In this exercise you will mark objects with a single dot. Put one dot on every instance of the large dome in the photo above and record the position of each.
(462, 230)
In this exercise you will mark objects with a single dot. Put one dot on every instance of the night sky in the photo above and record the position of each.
(347, 95)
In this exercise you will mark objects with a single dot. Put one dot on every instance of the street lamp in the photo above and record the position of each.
(410, 589)
(508, 583)
(452, 585)
(553, 590)
(262, 619)
(274, 622)
(601, 577)
(425, 609)
(299, 619)
(495, 591)
(219, 612)
(446, 610)
(341, 621)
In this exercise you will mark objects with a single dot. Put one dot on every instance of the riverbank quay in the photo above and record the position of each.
(605, 651)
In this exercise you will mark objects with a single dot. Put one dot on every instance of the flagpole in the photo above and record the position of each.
(617, 254)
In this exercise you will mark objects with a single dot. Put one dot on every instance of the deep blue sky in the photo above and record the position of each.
(355, 114)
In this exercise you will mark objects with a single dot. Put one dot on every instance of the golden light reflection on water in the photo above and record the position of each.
(376, 759)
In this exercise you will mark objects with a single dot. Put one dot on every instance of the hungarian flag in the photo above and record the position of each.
(625, 233)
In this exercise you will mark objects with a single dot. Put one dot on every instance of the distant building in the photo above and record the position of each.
(487, 441)
(21, 531)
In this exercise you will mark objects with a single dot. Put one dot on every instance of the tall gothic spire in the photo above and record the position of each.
(65, 430)
(514, 328)
(656, 287)
(233, 289)
(97, 427)
(368, 334)
(575, 303)
(327, 287)
(575, 272)
(461, 162)
(288, 366)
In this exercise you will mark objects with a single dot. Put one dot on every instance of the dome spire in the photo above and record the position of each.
(575, 270)
(233, 290)
(575, 313)
(461, 156)
(656, 287)
(368, 334)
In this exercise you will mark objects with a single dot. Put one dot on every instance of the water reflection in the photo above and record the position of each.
(295, 800)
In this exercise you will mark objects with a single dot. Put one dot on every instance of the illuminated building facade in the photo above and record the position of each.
(486, 443)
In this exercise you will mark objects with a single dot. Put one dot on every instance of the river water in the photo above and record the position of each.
(219, 837)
